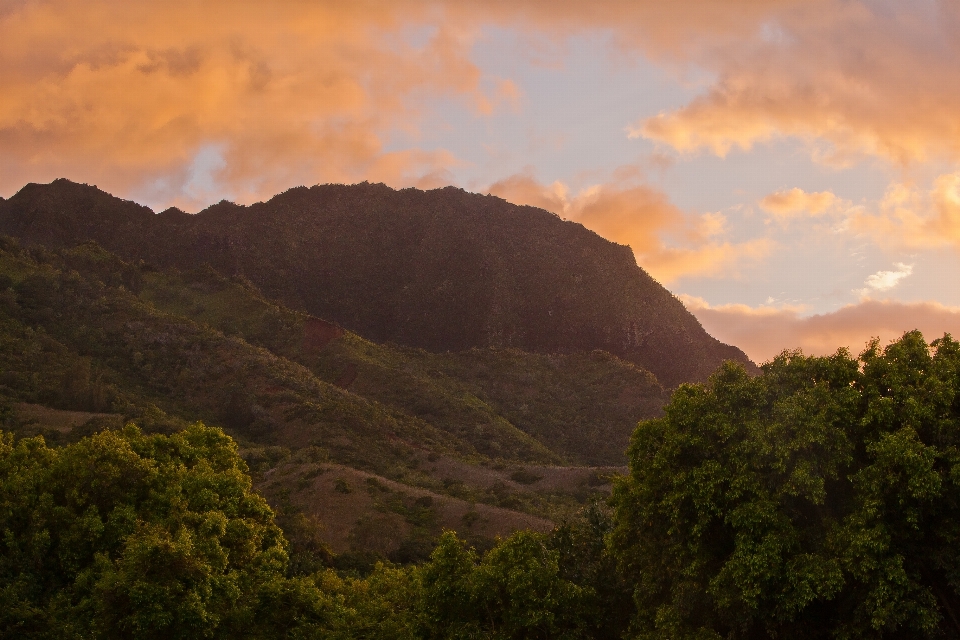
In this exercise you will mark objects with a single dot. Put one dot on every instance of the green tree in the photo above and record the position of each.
(514, 592)
(819, 499)
(585, 559)
(127, 535)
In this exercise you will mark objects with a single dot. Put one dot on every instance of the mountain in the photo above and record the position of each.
(443, 270)
(384, 446)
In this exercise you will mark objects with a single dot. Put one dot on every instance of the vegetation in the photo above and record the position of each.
(581, 406)
(90, 341)
(361, 490)
(443, 270)
(819, 499)
(126, 535)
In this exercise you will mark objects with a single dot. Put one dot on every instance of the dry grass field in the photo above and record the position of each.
(36, 419)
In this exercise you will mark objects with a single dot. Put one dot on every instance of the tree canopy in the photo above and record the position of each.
(127, 535)
(818, 499)
(130, 535)
(516, 591)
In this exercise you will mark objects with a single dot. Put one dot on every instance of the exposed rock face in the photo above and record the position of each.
(441, 270)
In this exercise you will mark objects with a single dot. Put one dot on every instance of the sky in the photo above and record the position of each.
(790, 169)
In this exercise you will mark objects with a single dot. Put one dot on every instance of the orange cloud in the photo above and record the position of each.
(791, 203)
(523, 188)
(680, 31)
(129, 95)
(712, 259)
(766, 331)
(909, 217)
(851, 79)
(642, 217)
(135, 95)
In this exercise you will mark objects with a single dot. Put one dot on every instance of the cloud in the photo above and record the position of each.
(667, 242)
(793, 202)
(711, 259)
(885, 280)
(133, 95)
(679, 31)
(523, 188)
(852, 80)
(906, 218)
(909, 217)
(763, 332)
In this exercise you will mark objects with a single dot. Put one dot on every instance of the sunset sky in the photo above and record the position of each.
(789, 168)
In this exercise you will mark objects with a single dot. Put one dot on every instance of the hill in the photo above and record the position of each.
(381, 446)
(442, 270)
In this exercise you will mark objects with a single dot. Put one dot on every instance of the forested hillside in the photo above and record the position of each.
(184, 454)
(382, 446)
(816, 500)
(444, 270)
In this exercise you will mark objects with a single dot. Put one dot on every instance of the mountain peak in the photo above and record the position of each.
(443, 270)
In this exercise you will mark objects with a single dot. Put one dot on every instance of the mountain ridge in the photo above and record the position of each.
(481, 440)
(443, 270)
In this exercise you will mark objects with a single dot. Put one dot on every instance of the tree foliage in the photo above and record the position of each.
(127, 535)
(819, 499)
(515, 591)
(586, 559)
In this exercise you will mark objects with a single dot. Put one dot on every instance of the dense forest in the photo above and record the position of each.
(490, 439)
(818, 499)
(186, 452)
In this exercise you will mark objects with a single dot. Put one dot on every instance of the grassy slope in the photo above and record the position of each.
(107, 350)
(84, 331)
(570, 408)
(380, 374)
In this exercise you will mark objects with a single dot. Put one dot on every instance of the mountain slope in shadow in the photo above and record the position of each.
(443, 270)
